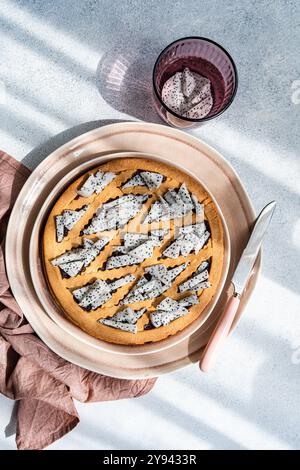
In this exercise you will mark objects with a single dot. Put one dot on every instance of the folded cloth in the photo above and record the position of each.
(43, 383)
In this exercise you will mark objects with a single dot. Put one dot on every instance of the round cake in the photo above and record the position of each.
(133, 251)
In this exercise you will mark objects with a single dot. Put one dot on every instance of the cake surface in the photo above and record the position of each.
(133, 251)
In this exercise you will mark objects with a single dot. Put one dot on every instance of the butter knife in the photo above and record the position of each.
(239, 281)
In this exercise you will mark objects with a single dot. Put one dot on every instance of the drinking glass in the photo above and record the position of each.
(205, 57)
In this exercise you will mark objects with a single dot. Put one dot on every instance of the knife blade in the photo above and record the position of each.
(239, 281)
(249, 255)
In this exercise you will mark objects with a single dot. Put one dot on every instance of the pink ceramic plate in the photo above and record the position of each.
(173, 145)
(54, 310)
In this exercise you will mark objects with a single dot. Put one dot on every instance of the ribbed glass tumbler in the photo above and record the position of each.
(205, 57)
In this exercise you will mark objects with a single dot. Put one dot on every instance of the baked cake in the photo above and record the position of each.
(133, 251)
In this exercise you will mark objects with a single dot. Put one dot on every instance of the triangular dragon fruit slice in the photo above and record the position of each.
(95, 183)
(155, 286)
(160, 272)
(202, 285)
(152, 180)
(71, 217)
(198, 208)
(94, 295)
(166, 276)
(172, 94)
(202, 266)
(89, 254)
(144, 291)
(147, 287)
(173, 273)
(60, 228)
(97, 294)
(169, 310)
(69, 256)
(189, 243)
(136, 180)
(170, 305)
(189, 301)
(142, 248)
(163, 318)
(80, 257)
(143, 251)
(131, 239)
(119, 325)
(102, 242)
(120, 261)
(165, 206)
(122, 281)
(116, 213)
(172, 198)
(72, 268)
(156, 211)
(174, 249)
(171, 205)
(129, 315)
(202, 241)
(198, 229)
(103, 180)
(100, 300)
(185, 196)
(188, 82)
(191, 283)
(79, 293)
(66, 221)
(88, 187)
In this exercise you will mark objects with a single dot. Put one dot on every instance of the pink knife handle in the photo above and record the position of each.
(219, 334)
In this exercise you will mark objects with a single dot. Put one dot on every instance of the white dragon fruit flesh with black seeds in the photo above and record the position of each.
(145, 178)
(119, 325)
(194, 282)
(96, 183)
(67, 220)
(160, 280)
(188, 94)
(129, 315)
(173, 204)
(190, 238)
(152, 180)
(169, 310)
(73, 261)
(116, 213)
(137, 247)
(124, 320)
(94, 295)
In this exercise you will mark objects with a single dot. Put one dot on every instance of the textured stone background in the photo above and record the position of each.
(56, 57)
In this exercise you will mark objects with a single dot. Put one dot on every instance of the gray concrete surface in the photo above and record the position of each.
(56, 60)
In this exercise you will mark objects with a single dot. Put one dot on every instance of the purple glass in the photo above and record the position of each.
(204, 57)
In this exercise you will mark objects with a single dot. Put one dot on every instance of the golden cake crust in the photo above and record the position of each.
(62, 287)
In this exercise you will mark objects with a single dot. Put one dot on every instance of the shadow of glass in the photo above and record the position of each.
(33, 158)
(124, 80)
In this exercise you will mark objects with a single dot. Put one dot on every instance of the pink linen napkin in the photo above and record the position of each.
(43, 383)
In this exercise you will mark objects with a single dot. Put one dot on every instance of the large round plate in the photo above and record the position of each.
(54, 310)
(179, 148)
